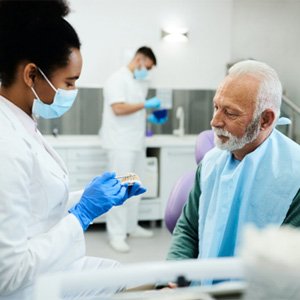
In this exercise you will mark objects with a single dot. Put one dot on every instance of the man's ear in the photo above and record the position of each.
(267, 119)
(30, 72)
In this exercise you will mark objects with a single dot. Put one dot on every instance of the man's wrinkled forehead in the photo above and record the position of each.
(238, 89)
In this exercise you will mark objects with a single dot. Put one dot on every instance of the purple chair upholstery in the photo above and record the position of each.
(180, 191)
(204, 142)
(177, 198)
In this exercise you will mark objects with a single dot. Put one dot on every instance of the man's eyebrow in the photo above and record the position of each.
(235, 108)
(73, 78)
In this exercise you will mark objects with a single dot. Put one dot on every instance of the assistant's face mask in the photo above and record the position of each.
(62, 102)
(140, 74)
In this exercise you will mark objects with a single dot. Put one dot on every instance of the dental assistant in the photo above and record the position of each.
(123, 136)
(252, 176)
(40, 62)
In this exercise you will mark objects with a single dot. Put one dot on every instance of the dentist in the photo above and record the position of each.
(40, 62)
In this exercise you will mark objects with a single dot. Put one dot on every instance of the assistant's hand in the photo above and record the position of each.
(152, 119)
(152, 103)
(100, 195)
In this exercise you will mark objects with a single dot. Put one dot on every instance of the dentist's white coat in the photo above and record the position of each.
(37, 235)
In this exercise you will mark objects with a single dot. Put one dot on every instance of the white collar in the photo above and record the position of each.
(28, 122)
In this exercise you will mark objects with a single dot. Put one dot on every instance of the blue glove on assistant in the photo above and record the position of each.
(152, 103)
(100, 195)
(152, 119)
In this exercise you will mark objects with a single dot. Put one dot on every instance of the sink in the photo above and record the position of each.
(180, 115)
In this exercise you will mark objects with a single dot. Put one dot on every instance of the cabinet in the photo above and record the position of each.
(174, 161)
(85, 159)
(84, 164)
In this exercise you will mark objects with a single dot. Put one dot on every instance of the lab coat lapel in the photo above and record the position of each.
(44, 152)
(53, 153)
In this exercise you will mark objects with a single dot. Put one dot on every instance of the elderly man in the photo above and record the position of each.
(251, 177)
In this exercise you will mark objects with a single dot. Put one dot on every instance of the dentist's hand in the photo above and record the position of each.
(152, 103)
(100, 195)
(134, 190)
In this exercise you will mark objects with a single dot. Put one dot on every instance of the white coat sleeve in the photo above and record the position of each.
(115, 90)
(74, 197)
(23, 258)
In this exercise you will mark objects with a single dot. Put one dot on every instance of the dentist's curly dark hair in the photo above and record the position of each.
(34, 31)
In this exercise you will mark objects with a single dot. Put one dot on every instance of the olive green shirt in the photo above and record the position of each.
(185, 241)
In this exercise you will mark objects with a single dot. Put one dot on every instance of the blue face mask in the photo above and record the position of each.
(62, 102)
(140, 74)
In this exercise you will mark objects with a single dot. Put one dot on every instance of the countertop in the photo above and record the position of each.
(159, 140)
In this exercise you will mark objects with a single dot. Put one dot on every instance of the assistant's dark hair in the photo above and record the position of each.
(148, 53)
(34, 31)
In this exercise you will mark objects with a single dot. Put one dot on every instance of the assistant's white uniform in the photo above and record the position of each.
(124, 138)
(37, 235)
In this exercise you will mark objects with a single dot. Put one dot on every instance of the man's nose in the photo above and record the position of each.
(217, 120)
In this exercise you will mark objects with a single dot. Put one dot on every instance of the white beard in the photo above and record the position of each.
(234, 143)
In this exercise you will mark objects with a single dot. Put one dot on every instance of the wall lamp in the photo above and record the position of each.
(174, 35)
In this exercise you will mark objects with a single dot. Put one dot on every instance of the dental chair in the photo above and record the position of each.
(180, 191)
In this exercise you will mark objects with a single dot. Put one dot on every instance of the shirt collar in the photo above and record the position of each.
(28, 122)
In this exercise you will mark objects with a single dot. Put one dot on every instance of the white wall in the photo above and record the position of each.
(269, 30)
(108, 28)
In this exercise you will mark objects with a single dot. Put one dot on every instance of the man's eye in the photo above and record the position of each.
(231, 114)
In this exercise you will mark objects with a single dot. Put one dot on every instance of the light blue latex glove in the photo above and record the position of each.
(152, 103)
(152, 119)
(100, 195)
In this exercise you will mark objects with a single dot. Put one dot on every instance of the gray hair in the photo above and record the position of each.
(270, 90)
